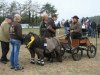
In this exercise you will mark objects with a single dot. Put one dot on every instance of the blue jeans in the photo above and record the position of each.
(15, 53)
(89, 31)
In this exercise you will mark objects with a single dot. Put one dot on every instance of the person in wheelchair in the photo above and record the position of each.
(75, 29)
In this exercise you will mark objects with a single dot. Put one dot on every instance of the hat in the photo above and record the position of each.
(10, 17)
(76, 17)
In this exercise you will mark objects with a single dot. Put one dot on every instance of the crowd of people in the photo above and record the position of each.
(11, 32)
(88, 27)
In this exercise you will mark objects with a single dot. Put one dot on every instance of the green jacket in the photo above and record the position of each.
(4, 32)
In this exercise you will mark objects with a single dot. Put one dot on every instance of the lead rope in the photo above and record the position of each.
(32, 40)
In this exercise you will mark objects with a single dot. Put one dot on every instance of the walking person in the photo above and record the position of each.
(5, 38)
(15, 40)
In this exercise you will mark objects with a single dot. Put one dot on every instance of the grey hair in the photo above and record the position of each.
(17, 17)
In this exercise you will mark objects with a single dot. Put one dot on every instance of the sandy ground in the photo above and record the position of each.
(85, 66)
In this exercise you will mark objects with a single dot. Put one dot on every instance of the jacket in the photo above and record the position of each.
(43, 29)
(16, 31)
(76, 27)
(51, 28)
(4, 32)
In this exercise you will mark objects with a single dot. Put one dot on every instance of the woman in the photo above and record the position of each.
(75, 29)
(15, 40)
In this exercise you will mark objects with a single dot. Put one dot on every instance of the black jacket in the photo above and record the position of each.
(43, 29)
(66, 24)
(51, 28)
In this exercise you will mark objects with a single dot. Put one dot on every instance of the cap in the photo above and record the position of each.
(10, 17)
(76, 17)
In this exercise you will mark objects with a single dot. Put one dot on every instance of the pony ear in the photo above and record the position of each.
(31, 33)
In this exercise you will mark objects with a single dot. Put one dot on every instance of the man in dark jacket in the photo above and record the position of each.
(51, 27)
(93, 26)
(43, 26)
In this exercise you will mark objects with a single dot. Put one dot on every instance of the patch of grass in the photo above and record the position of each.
(36, 30)
(27, 30)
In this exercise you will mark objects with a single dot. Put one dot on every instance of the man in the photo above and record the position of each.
(51, 28)
(89, 29)
(43, 26)
(66, 26)
(75, 29)
(93, 26)
(4, 38)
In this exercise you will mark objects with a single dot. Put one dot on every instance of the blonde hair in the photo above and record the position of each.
(45, 17)
(17, 18)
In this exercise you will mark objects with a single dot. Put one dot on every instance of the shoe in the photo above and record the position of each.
(7, 60)
(19, 68)
(12, 68)
(4, 62)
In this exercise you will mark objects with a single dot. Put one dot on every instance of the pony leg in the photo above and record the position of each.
(32, 52)
(40, 54)
(58, 54)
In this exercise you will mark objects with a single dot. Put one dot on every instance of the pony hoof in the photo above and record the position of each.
(32, 62)
(42, 64)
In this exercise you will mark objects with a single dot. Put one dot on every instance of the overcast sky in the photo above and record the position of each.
(68, 8)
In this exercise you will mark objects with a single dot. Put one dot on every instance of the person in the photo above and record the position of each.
(5, 38)
(62, 22)
(66, 26)
(75, 29)
(89, 29)
(51, 27)
(93, 26)
(15, 40)
(43, 26)
(84, 29)
(58, 24)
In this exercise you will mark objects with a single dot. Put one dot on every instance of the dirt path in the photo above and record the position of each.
(85, 66)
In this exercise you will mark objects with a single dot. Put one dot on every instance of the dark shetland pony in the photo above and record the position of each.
(37, 47)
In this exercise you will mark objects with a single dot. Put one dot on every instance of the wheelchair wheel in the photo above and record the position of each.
(91, 52)
(77, 54)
